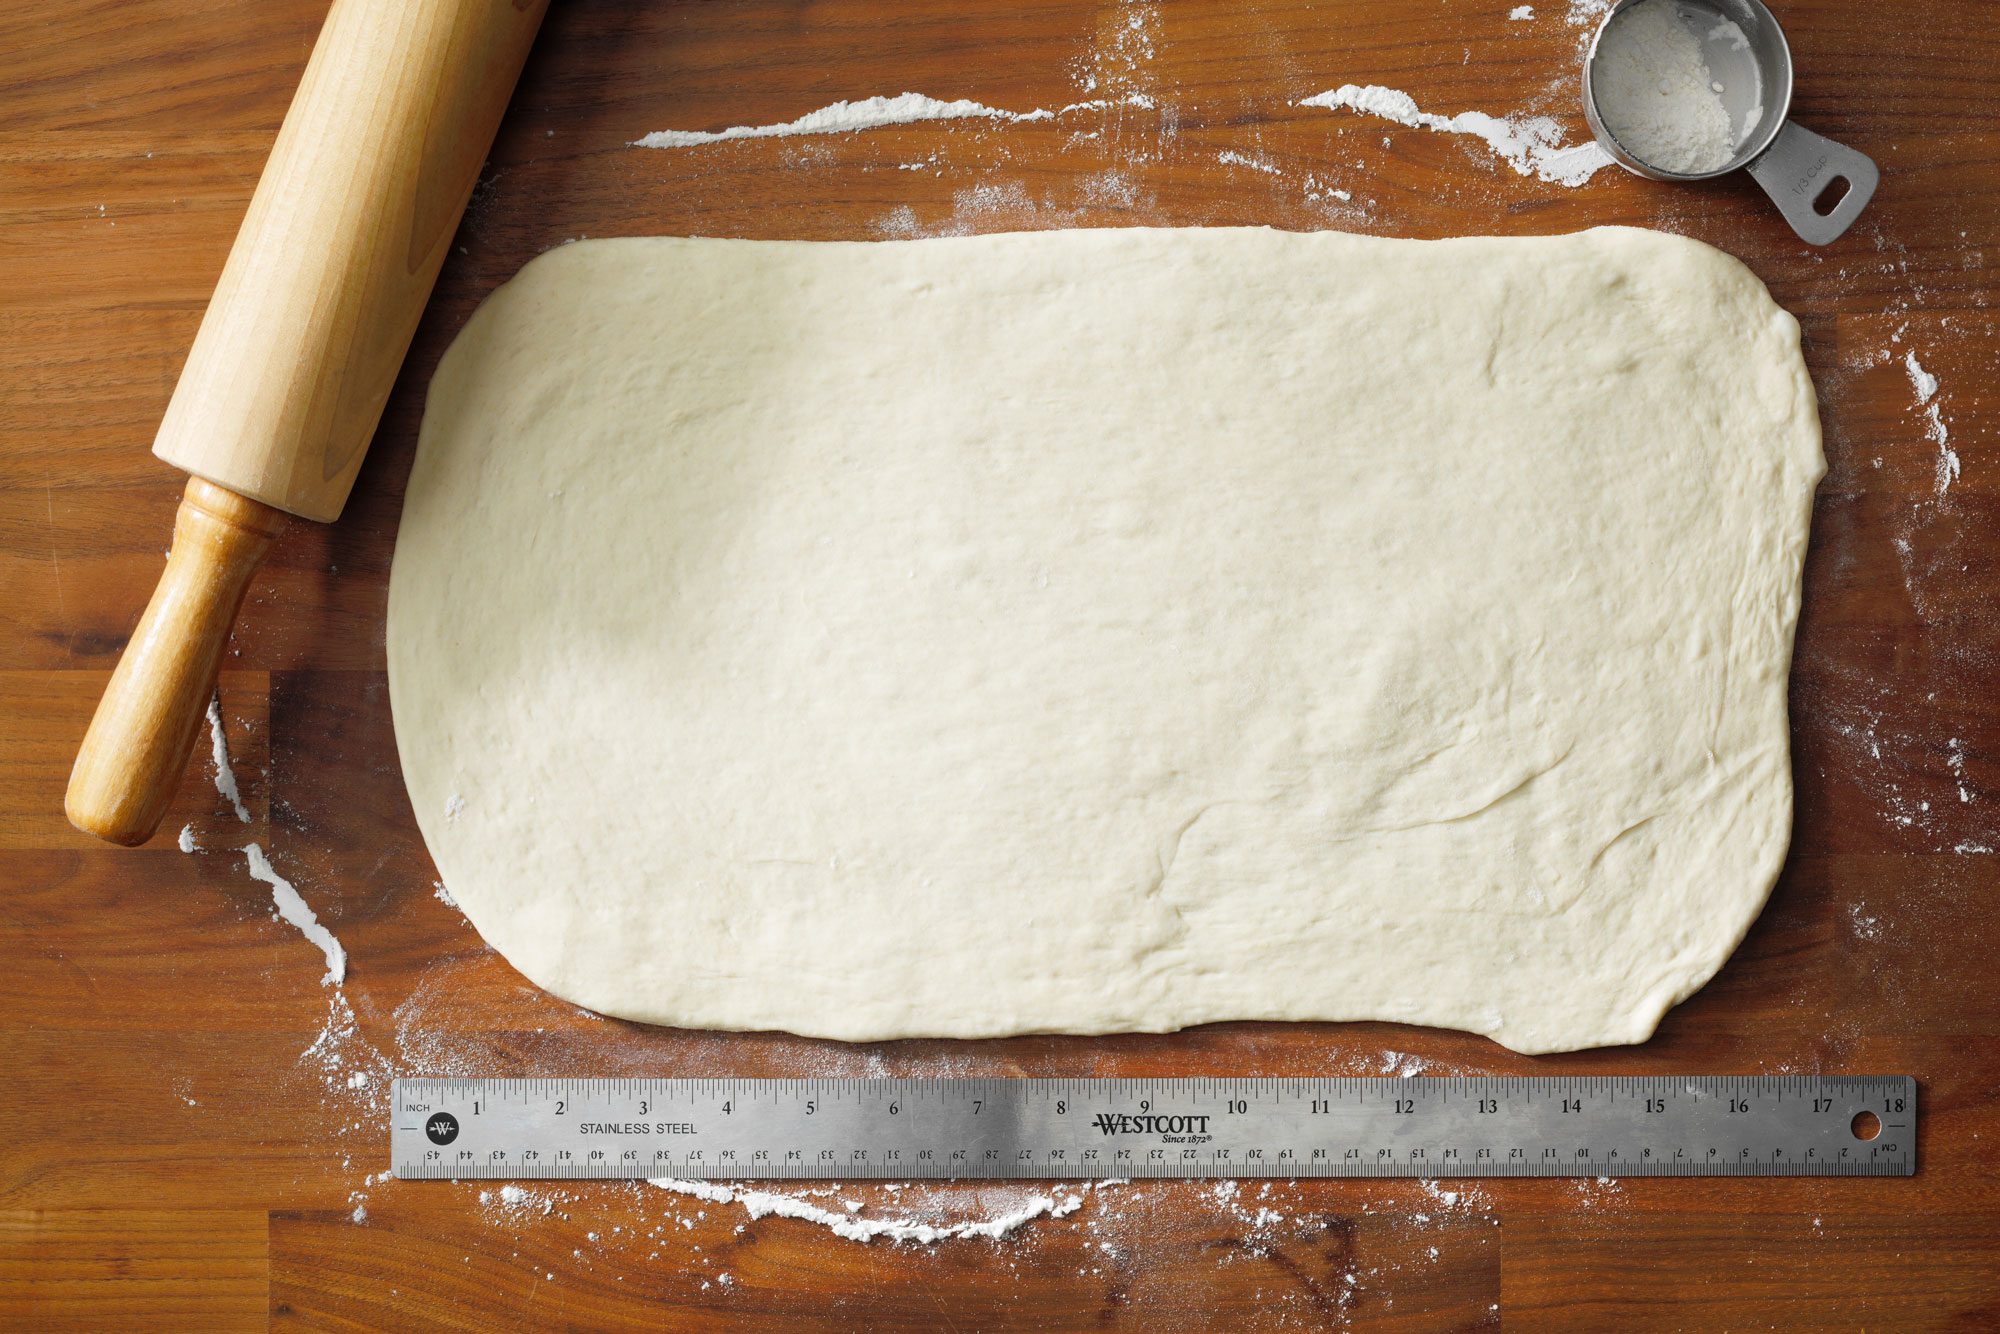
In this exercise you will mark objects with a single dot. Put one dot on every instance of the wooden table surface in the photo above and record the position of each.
(188, 1137)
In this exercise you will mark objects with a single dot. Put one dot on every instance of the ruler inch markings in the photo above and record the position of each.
(1202, 1127)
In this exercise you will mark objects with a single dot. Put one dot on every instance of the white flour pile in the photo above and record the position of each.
(1531, 145)
(1655, 94)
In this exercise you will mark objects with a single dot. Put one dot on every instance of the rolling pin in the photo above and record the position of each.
(298, 350)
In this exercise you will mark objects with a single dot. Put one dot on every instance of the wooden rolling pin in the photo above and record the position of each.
(297, 353)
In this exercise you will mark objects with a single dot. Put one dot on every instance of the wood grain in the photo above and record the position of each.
(98, 1268)
(184, 1146)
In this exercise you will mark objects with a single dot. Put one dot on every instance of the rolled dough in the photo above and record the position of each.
(1111, 630)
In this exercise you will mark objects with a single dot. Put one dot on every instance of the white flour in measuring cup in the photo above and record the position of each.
(1656, 94)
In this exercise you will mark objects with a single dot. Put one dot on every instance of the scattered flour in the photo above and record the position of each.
(1921, 380)
(1453, 1199)
(1925, 386)
(1262, 1224)
(1939, 435)
(1601, 1193)
(1121, 64)
(1231, 158)
(1585, 13)
(852, 1226)
(518, 1201)
(285, 897)
(1656, 95)
(867, 114)
(1882, 755)
(1401, 1064)
(1954, 758)
(336, 1056)
(1531, 145)
(1521, 13)
(1317, 189)
(225, 773)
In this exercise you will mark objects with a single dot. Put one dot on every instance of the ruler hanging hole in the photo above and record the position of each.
(1866, 1125)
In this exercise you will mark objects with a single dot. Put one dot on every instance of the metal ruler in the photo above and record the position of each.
(1078, 1129)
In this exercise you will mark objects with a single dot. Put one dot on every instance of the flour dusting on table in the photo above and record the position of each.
(851, 1224)
(1586, 13)
(286, 901)
(1925, 387)
(1531, 145)
(1229, 157)
(290, 906)
(867, 114)
(1402, 1065)
(225, 773)
(1921, 380)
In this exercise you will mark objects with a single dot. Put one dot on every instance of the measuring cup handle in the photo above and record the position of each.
(1796, 170)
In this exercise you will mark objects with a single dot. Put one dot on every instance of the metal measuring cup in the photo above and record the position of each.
(1797, 168)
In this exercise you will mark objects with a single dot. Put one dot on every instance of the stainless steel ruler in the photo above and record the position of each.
(1077, 1129)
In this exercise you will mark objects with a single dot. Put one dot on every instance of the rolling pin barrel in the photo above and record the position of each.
(299, 349)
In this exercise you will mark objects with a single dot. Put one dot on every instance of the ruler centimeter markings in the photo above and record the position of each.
(1079, 1129)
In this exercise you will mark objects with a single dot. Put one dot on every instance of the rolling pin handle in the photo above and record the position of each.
(138, 744)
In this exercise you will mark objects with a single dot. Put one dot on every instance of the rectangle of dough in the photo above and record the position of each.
(1109, 630)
